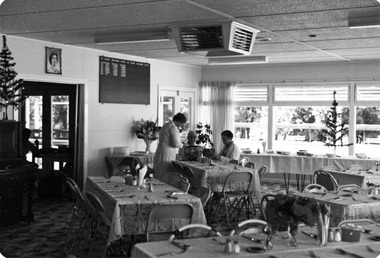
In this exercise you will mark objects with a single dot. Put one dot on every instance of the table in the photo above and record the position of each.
(128, 208)
(208, 247)
(113, 161)
(213, 176)
(360, 178)
(302, 166)
(346, 205)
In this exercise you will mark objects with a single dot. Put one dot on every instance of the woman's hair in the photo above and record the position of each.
(51, 56)
(179, 117)
(228, 134)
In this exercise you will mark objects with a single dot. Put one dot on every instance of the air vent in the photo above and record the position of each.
(231, 36)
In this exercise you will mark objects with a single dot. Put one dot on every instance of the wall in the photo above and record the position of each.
(338, 71)
(106, 125)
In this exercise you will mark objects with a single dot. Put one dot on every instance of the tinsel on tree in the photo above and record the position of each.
(337, 128)
(10, 87)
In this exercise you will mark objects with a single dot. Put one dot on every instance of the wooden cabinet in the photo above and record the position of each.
(10, 139)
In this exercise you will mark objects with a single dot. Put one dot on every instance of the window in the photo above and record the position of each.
(292, 117)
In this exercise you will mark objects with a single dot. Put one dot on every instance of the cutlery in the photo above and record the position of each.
(220, 242)
(146, 198)
(312, 254)
(372, 250)
(172, 197)
(349, 253)
(309, 234)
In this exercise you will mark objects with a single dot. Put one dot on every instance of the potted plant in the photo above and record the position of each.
(146, 130)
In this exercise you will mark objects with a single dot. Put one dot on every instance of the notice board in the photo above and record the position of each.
(123, 81)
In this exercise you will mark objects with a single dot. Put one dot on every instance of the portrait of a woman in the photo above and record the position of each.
(53, 62)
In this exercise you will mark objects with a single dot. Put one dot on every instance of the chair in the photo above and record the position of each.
(236, 199)
(198, 230)
(189, 174)
(262, 171)
(315, 189)
(81, 218)
(242, 229)
(178, 167)
(250, 164)
(234, 161)
(355, 167)
(178, 181)
(167, 214)
(202, 193)
(325, 179)
(128, 163)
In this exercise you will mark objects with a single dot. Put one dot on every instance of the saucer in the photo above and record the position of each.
(375, 238)
(255, 249)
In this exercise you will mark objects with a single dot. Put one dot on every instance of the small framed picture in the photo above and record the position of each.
(53, 60)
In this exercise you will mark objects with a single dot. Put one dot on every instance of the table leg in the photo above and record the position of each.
(286, 180)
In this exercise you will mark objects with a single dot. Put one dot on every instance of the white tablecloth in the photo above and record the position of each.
(295, 164)
(360, 178)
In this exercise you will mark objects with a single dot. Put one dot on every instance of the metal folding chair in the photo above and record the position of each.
(325, 179)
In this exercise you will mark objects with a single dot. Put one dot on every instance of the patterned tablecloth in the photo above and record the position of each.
(348, 205)
(128, 207)
(211, 247)
(114, 161)
(214, 176)
(305, 165)
(360, 178)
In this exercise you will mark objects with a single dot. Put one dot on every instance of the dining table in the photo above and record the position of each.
(359, 177)
(303, 166)
(214, 175)
(128, 206)
(348, 204)
(114, 161)
(307, 247)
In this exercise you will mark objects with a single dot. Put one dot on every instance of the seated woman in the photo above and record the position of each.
(191, 142)
(230, 149)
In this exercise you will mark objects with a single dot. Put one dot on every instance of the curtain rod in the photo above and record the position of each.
(311, 81)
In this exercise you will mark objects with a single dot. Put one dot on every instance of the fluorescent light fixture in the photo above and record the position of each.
(358, 22)
(238, 60)
(154, 36)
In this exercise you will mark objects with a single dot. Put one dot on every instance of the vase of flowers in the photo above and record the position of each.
(146, 130)
(204, 134)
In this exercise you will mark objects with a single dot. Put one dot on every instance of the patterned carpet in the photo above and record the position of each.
(45, 237)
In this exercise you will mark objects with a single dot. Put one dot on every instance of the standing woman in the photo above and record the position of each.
(166, 152)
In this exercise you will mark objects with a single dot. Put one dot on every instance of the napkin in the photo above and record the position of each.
(142, 171)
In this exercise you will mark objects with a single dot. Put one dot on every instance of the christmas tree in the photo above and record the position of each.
(10, 87)
(336, 127)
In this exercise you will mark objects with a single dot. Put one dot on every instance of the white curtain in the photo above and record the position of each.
(216, 108)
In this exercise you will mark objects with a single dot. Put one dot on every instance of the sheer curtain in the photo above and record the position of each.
(216, 108)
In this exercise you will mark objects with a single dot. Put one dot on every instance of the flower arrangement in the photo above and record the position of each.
(203, 135)
(146, 129)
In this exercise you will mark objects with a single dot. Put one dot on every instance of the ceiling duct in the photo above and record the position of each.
(230, 37)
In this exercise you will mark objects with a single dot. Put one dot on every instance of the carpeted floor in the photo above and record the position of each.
(45, 237)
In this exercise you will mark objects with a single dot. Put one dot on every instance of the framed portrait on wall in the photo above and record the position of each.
(53, 60)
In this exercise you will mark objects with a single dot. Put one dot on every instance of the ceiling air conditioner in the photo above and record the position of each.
(230, 37)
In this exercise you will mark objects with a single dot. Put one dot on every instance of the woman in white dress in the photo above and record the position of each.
(169, 140)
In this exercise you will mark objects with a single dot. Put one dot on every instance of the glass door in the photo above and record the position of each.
(173, 101)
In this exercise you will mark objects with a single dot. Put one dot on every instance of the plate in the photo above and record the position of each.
(255, 249)
(375, 238)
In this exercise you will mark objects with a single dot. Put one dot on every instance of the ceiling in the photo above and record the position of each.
(300, 31)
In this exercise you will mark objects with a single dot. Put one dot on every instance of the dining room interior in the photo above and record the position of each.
(97, 83)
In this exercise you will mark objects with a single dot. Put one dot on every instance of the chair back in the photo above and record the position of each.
(202, 193)
(234, 161)
(262, 171)
(270, 213)
(78, 195)
(178, 181)
(189, 174)
(98, 207)
(199, 230)
(171, 215)
(250, 164)
(242, 228)
(325, 179)
(233, 178)
(128, 162)
(355, 167)
(178, 167)
(315, 189)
